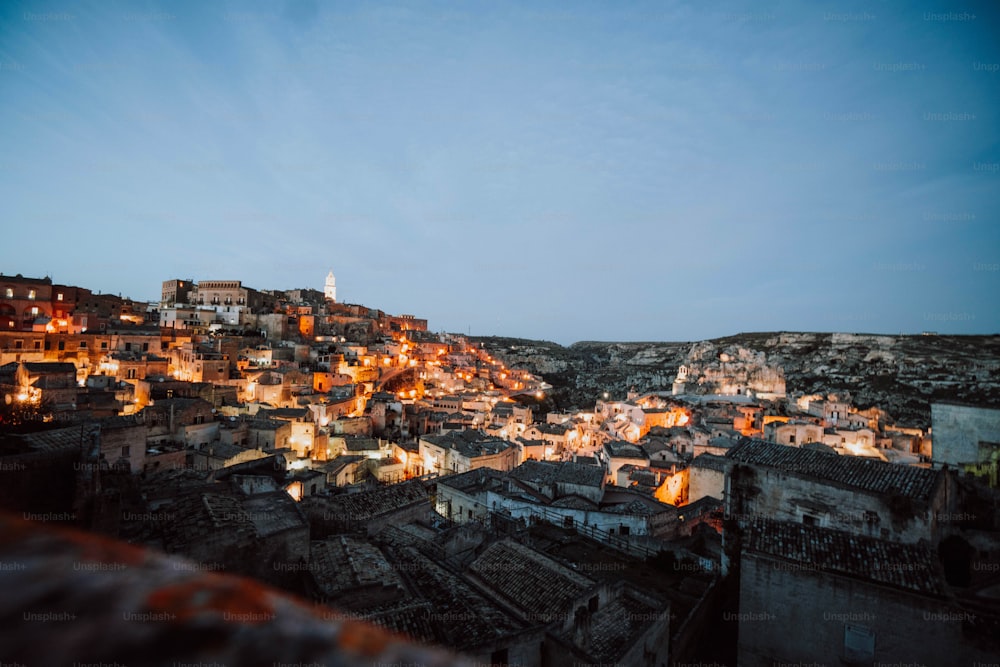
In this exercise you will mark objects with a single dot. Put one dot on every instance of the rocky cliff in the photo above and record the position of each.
(900, 374)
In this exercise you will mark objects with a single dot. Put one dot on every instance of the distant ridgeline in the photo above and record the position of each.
(902, 375)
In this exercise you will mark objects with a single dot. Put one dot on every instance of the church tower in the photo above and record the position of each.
(330, 289)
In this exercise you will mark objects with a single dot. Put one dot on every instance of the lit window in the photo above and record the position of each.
(9, 293)
(34, 310)
(59, 296)
(31, 294)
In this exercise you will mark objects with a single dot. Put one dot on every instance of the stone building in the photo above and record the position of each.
(586, 621)
(964, 434)
(123, 442)
(863, 600)
(483, 496)
(863, 496)
(53, 384)
(555, 480)
(617, 453)
(183, 420)
(176, 292)
(793, 433)
(367, 511)
(24, 300)
(707, 477)
(235, 532)
(462, 451)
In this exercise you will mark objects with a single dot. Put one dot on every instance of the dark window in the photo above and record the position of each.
(104, 344)
(791, 439)
(808, 520)
(125, 451)
(62, 345)
(592, 604)
(624, 530)
(145, 347)
(859, 644)
(128, 347)
(499, 657)
(18, 344)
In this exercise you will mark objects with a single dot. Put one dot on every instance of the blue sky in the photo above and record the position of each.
(568, 171)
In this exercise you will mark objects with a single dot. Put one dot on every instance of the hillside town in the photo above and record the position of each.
(427, 484)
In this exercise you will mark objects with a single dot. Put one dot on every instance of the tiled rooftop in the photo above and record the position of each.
(473, 480)
(907, 566)
(272, 513)
(410, 618)
(196, 516)
(222, 450)
(859, 473)
(574, 501)
(35, 367)
(470, 444)
(710, 462)
(460, 616)
(615, 626)
(550, 472)
(334, 466)
(369, 504)
(542, 588)
(59, 438)
(340, 564)
(622, 448)
(360, 443)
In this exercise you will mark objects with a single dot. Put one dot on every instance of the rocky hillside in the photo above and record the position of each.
(900, 374)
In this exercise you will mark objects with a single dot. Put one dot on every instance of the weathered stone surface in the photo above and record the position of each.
(900, 374)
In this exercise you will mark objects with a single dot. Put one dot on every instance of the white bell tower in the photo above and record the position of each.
(330, 288)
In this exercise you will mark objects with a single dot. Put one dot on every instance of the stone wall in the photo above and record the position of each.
(959, 430)
(789, 613)
(762, 492)
(705, 482)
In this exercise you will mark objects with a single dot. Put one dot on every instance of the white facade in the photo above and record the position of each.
(330, 288)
